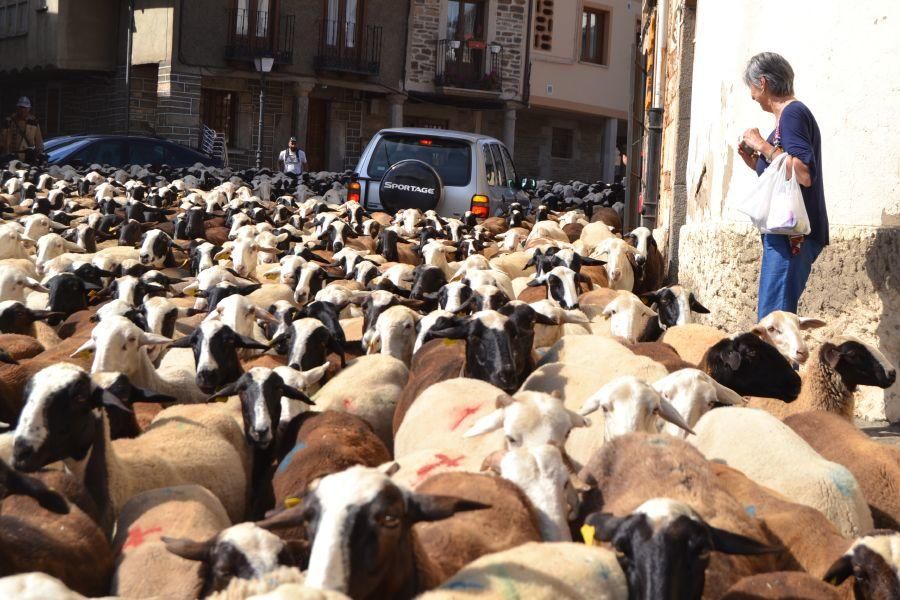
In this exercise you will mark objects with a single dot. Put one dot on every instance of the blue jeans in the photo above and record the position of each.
(782, 276)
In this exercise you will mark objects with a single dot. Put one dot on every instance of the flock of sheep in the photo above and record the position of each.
(238, 385)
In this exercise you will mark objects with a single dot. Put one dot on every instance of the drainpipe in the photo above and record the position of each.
(655, 117)
(128, 67)
(526, 92)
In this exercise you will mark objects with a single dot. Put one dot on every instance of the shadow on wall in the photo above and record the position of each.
(883, 268)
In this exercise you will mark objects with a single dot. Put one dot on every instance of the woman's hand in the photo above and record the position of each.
(749, 159)
(754, 139)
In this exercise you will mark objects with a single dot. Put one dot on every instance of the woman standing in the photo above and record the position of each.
(787, 260)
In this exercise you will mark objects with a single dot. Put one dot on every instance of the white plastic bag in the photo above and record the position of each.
(776, 204)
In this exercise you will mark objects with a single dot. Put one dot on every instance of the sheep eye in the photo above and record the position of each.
(771, 330)
(390, 521)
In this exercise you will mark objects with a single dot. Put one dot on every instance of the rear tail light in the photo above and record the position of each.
(480, 206)
(353, 193)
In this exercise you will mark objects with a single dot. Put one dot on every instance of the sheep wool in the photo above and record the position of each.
(441, 415)
(784, 584)
(369, 387)
(144, 566)
(539, 572)
(691, 341)
(422, 464)
(772, 455)
(284, 583)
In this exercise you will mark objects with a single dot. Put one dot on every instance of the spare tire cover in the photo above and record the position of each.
(410, 184)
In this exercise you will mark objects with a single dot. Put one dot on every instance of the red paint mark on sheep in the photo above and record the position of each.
(348, 404)
(137, 536)
(442, 461)
(463, 414)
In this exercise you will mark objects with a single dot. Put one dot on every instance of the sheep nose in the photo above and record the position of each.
(262, 434)
(616, 275)
(207, 380)
(892, 377)
(801, 355)
(145, 259)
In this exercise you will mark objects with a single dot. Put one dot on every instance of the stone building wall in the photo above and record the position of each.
(178, 105)
(534, 134)
(424, 30)
(512, 27)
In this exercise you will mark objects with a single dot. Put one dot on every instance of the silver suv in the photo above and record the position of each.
(449, 171)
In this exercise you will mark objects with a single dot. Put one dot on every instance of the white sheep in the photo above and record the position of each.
(693, 393)
(773, 455)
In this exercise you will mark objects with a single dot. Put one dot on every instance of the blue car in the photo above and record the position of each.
(122, 150)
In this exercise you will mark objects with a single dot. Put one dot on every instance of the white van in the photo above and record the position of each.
(449, 171)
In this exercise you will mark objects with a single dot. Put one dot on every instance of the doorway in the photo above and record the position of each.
(316, 134)
(466, 32)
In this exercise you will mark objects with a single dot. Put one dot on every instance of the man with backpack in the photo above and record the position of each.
(292, 160)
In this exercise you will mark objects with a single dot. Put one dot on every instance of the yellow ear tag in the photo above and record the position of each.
(92, 294)
(221, 398)
(185, 263)
(271, 276)
(291, 502)
(190, 292)
(449, 342)
(587, 533)
(84, 354)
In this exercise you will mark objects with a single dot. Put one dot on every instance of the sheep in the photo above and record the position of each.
(751, 367)
(674, 305)
(875, 561)
(242, 315)
(624, 317)
(36, 586)
(692, 340)
(782, 584)
(664, 512)
(284, 583)
(17, 318)
(243, 551)
(619, 258)
(58, 536)
(692, 393)
(532, 570)
(433, 362)
(811, 540)
(782, 330)
(13, 482)
(631, 404)
(186, 444)
(413, 553)
(579, 365)
(875, 466)
(661, 353)
(395, 332)
(144, 566)
(831, 377)
(648, 259)
(15, 283)
(766, 449)
(120, 346)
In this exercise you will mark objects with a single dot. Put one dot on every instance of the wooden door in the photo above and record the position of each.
(316, 135)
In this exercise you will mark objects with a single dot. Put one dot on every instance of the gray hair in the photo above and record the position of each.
(777, 71)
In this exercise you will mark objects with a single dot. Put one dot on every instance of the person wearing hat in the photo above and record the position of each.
(22, 133)
(292, 160)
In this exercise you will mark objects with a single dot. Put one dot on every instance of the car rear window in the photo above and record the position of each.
(452, 159)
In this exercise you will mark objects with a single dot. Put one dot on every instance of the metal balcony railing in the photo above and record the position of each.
(470, 64)
(348, 47)
(254, 33)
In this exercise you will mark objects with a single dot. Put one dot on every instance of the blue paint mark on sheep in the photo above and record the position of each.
(843, 480)
(750, 510)
(462, 585)
(603, 572)
(282, 467)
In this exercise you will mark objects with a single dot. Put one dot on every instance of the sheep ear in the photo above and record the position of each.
(315, 374)
(229, 390)
(831, 354)
(697, 307)
(85, 349)
(809, 323)
(242, 341)
(504, 400)
(593, 403)
(426, 507)
(604, 526)
(534, 283)
(667, 412)
(392, 470)
(839, 571)
(188, 549)
(183, 342)
(486, 424)
(296, 394)
(733, 543)
(294, 516)
(152, 339)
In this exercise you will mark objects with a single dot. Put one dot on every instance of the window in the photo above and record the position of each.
(427, 123)
(543, 25)
(103, 152)
(13, 18)
(561, 144)
(343, 21)
(594, 36)
(452, 159)
(145, 153)
(509, 167)
(218, 110)
(253, 18)
(502, 177)
(490, 168)
(465, 20)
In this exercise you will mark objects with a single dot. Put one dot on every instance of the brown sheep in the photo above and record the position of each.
(655, 478)
(810, 539)
(437, 360)
(662, 353)
(494, 225)
(444, 547)
(875, 466)
(71, 547)
(20, 347)
(608, 216)
(691, 341)
(781, 585)
(316, 444)
(573, 231)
